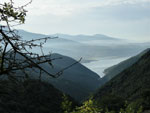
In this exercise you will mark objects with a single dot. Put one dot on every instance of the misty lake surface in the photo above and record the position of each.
(100, 65)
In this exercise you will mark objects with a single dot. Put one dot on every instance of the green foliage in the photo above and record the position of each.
(91, 106)
(66, 104)
(132, 84)
(88, 106)
(131, 108)
(30, 96)
(146, 98)
(112, 102)
(10, 13)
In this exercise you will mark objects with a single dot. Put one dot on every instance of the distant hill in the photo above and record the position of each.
(29, 36)
(89, 47)
(77, 81)
(132, 84)
(82, 38)
(116, 69)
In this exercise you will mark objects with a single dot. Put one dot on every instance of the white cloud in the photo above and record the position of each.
(68, 7)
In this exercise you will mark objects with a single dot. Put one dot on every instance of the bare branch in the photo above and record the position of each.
(61, 71)
(3, 55)
(13, 45)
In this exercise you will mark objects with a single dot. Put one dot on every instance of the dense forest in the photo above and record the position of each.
(132, 85)
(28, 85)
(127, 92)
(30, 96)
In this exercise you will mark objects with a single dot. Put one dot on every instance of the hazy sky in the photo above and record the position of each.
(128, 19)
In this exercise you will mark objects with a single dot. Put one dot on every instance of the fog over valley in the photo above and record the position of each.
(74, 56)
(98, 51)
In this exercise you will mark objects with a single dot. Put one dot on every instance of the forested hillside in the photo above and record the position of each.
(132, 85)
(77, 81)
(33, 79)
(116, 69)
(30, 96)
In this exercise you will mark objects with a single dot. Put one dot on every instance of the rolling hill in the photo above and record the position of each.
(132, 84)
(116, 69)
(77, 81)
(89, 47)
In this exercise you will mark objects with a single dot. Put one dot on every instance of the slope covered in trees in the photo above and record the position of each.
(118, 68)
(77, 81)
(132, 85)
(30, 96)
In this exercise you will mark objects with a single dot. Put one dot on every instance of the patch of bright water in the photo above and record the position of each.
(100, 65)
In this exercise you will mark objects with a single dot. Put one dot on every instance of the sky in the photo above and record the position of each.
(127, 19)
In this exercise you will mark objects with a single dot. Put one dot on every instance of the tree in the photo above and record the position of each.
(89, 106)
(13, 45)
(66, 104)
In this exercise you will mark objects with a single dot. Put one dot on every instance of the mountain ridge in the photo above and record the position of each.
(118, 68)
(77, 81)
(132, 84)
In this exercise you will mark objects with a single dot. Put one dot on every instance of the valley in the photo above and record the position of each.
(94, 49)
(71, 56)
